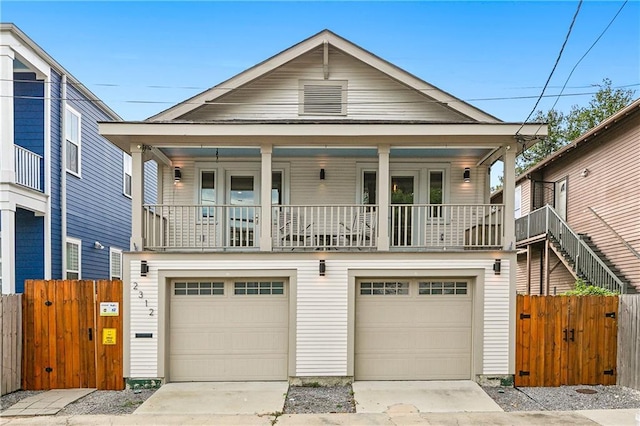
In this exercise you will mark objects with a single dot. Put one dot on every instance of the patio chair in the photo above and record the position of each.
(361, 233)
(291, 232)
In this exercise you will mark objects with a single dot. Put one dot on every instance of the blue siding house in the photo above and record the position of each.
(65, 191)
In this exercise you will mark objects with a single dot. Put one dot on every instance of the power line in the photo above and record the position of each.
(566, 39)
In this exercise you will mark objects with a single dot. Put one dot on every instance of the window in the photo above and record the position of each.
(518, 202)
(436, 192)
(442, 288)
(276, 188)
(73, 140)
(207, 192)
(198, 289)
(74, 254)
(115, 262)
(258, 288)
(126, 179)
(388, 288)
(368, 187)
(323, 97)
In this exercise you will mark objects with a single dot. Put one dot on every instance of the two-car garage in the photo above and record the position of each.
(238, 329)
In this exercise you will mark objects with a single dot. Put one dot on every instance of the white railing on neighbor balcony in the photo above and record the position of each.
(585, 263)
(201, 227)
(447, 226)
(27, 166)
(325, 227)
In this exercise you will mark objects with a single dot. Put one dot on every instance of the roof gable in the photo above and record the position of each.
(438, 105)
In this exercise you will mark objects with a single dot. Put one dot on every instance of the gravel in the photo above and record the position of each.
(564, 398)
(9, 399)
(319, 399)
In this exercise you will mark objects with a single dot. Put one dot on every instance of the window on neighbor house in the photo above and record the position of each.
(74, 253)
(115, 262)
(323, 97)
(126, 178)
(73, 140)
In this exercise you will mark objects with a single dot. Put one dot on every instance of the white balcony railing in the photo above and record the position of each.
(339, 227)
(27, 166)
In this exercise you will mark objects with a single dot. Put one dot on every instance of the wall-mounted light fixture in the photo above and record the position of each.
(585, 172)
(496, 267)
(177, 175)
(322, 174)
(144, 268)
(322, 268)
(467, 174)
(97, 245)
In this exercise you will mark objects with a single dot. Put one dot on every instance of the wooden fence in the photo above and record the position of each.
(566, 340)
(72, 334)
(629, 341)
(11, 344)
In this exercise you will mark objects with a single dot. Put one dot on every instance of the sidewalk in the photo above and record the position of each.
(517, 418)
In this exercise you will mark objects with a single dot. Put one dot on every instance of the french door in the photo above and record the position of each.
(243, 199)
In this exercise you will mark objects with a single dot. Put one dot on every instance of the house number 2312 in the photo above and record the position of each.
(140, 294)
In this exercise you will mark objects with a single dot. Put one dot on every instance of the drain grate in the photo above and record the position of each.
(587, 391)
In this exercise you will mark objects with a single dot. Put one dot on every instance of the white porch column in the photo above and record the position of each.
(509, 196)
(7, 167)
(383, 197)
(266, 153)
(8, 248)
(137, 196)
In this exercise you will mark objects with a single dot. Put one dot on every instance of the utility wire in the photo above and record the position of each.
(583, 56)
(566, 39)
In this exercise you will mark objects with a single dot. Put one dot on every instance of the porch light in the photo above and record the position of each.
(467, 174)
(496, 267)
(322, 268)
(177, 175)
(144, 268)
(322, 174)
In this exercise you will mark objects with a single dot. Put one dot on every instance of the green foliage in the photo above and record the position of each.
(564, 128)
(582, 289)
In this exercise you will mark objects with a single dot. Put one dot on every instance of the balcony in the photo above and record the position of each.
(323, 227)
(27, 167)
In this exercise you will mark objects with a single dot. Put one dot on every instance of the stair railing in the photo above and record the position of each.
(586, 263)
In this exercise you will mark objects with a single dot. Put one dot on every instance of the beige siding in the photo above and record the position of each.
(560, 278)
(371, 94)
(610, 188)
(322, 307)
(526, 202)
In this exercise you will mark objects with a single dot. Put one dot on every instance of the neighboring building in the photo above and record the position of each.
(322, 214)
(592, 228)
(64, 189)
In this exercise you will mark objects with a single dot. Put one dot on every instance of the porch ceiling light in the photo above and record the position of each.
(467, 174)
(177, 175)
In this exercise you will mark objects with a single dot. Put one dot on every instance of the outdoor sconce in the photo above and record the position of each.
(144, 268)
(585, 172)
(98, 246)
(322, 175)
(177, 175)
(496, 267)
(467, 174)
(322, 268)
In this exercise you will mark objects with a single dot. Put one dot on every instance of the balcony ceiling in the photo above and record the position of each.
(250, 152)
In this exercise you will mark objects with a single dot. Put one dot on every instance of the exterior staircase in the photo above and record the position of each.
(577, 251)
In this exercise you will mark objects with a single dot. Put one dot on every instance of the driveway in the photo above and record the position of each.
(421, 397)
(216, 398)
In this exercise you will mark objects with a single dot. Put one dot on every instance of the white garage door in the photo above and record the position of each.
(413, 330)
(228, 331)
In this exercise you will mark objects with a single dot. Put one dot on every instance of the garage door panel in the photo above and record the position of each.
(422, 335)
(228, 336)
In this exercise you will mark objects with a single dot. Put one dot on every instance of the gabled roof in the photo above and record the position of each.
(29, 43)
(307, 45)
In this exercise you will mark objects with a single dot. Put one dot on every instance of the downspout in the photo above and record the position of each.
(63, 174)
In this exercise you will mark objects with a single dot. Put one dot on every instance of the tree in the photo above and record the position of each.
(564, 128)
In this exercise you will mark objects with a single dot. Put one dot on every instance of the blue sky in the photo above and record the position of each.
(143, 57)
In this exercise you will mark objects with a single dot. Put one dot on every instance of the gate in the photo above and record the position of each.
(566, 340)
(72, 335)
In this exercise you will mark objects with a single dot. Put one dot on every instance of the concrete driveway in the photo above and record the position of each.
(216, 398)
(421, 397)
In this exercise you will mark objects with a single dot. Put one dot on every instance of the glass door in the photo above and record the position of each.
(403, 192)
(243, 197)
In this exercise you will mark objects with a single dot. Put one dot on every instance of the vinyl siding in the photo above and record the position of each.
(371, 94)
(610, 188)
(322, 307)
(56, 143)
(340, 185)
(560, 279)
(29, 241)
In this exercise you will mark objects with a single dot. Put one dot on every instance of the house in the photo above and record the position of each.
(65, 191)
(323, 214)
(577, 212)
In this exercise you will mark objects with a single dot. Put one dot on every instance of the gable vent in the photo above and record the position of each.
(323, 98)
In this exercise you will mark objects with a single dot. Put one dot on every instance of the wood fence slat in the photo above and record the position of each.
(563, 346)
(10, 343)
(52, 336)
(27, 335)
(628, 342)
(75, 293)
(110, 357)
(61, 307)
(69, 333)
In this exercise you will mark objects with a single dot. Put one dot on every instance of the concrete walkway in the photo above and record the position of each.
(539, 418)
(45, 403)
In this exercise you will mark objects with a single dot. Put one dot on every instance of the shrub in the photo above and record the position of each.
(582, 289)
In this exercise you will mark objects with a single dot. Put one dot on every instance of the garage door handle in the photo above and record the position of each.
(573, 334)
(565, 331)
(90, 334)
